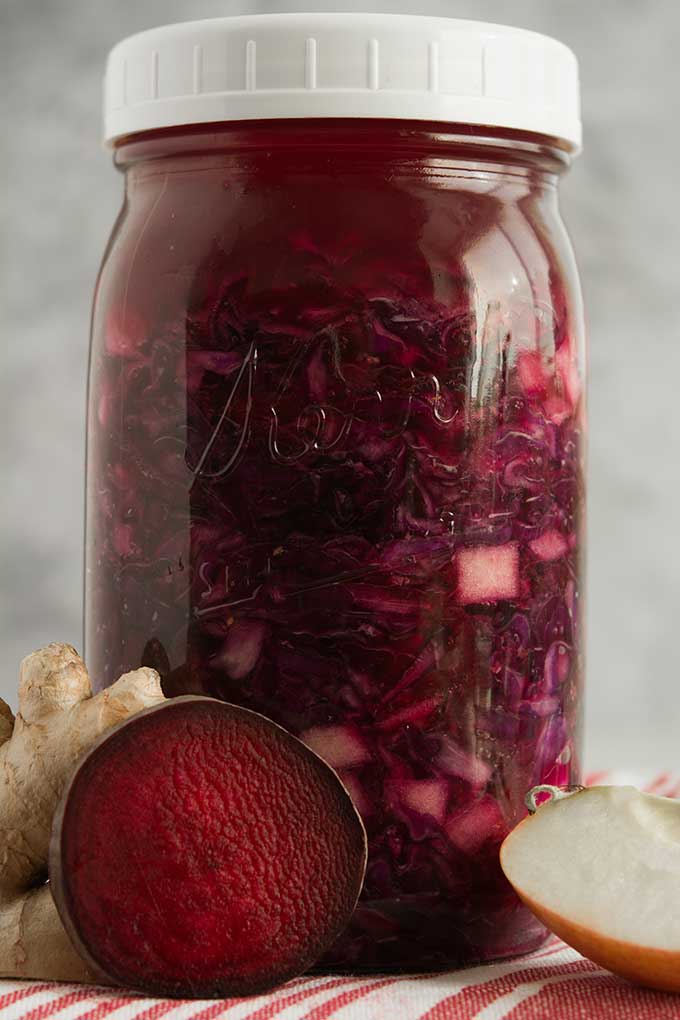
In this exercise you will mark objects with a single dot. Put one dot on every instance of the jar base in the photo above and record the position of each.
(413, 963)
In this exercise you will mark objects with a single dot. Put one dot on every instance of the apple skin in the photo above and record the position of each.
(642, 965)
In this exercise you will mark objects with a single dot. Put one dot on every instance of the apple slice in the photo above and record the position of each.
(600, 867)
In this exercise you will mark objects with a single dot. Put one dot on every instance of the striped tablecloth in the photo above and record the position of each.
(554, 983)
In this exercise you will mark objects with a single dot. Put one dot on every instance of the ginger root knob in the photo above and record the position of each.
(57, 722)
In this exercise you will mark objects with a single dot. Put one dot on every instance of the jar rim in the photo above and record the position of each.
(398, 142)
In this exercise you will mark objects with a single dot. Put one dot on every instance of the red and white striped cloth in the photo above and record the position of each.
(554, 983)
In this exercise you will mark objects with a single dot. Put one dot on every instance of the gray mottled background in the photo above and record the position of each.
(58, 198)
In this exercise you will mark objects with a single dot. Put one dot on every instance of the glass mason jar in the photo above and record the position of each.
(335, 474)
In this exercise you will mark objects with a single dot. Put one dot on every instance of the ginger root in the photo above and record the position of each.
(57, 722)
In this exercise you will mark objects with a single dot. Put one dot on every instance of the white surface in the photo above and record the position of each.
(342, 65)
(59, 196)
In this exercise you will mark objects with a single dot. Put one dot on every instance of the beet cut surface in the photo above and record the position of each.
(200, 850)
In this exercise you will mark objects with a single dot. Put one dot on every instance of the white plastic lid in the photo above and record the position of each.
(409, 67)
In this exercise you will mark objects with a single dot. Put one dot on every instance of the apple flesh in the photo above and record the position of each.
(601, 869)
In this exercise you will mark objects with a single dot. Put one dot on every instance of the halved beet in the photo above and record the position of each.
(200, 850)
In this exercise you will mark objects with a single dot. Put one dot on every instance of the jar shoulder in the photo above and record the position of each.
(443, 238)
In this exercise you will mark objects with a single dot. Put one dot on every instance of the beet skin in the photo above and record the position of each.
(200, 850)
